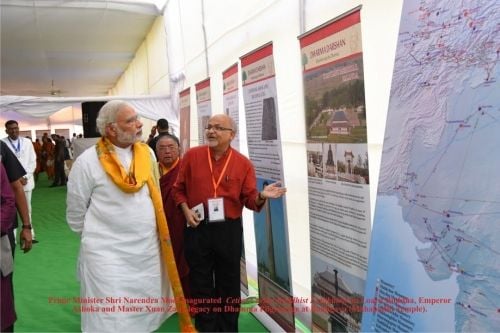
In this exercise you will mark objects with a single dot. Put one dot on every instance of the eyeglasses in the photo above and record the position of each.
(217, 128)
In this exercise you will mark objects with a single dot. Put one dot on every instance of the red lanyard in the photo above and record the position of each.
(216, 184)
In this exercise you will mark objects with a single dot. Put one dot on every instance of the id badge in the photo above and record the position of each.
(199, 211)
(216, 210)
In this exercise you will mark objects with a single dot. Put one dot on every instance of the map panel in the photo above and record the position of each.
(435, 237)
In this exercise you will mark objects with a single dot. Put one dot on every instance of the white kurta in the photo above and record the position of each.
(26, 156)
(119, 252)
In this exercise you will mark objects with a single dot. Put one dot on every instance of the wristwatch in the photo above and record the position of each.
(27, 226)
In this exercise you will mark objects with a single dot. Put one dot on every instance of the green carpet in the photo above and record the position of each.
(47, 273)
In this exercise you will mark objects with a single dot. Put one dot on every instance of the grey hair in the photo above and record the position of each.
(107, 114)
(233, 125)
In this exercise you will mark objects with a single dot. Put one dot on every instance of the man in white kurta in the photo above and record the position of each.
(119, 263)
(23, 149)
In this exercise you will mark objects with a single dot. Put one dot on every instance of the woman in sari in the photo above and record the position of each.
(48, 148)
(38, 151)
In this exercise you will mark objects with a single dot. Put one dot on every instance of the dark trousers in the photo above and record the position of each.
(7, 307)
(213, 252)
(60, 175)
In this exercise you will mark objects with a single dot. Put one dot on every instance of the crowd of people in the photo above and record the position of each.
(52, 156)
(144, 213)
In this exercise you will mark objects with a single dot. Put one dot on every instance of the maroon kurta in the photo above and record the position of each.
(7, 216)
(176, 224)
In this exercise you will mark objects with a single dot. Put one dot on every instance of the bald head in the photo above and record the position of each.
(220, 131)
(226, 120)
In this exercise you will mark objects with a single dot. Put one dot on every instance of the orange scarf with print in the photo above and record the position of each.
(141, 172)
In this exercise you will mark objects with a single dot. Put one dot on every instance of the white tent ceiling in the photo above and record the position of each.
(69, 48)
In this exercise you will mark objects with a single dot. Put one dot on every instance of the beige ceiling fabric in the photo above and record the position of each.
(69, 48)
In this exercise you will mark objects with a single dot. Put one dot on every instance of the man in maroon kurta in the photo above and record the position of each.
(215, 181)
(168, 151)
(12, 172)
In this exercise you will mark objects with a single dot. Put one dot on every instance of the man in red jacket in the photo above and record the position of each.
(214, 183)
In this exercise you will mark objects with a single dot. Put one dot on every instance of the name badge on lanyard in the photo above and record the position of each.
(17, 150)
(216, 204)
(216, 210)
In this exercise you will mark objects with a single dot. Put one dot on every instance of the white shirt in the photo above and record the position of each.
(23, 149)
